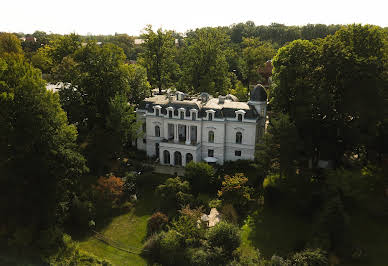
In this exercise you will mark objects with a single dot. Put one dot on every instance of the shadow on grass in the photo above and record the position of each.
(277, 231)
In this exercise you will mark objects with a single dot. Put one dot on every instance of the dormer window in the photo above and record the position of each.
(170, 111)
(193, 113)
(182, 113)
(157, 110)
(210, 117)
(240, 115)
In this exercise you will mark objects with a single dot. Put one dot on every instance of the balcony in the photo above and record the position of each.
(180, 141)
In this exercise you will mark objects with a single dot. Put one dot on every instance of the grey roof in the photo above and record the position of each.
(258, 94)
(226, 109)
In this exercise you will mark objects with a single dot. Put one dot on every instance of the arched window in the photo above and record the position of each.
(157, 131)
(166, 157)
(189, 157)
(211, 136)
(177, 158)
(239, 117)
(238, 137)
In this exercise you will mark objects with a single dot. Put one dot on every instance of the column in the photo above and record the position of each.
(187, 135)
(176, 136)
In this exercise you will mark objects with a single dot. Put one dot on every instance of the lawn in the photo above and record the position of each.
(128, 229)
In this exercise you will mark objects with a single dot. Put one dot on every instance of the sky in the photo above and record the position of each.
(132, 16)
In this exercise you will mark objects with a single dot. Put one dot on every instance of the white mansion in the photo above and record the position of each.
(179, 128)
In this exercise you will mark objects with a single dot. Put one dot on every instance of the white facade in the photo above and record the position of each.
(177, 130)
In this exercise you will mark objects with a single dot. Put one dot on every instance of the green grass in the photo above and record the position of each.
(129, 228)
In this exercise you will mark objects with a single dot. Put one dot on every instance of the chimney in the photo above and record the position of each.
(221, 99)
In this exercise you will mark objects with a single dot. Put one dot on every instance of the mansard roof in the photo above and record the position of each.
(222, 110)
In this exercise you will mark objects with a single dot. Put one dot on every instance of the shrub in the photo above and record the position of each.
(156, 223)
(235, 191)
(224, 235)
(198, 256)
(316, 257)
(188, 227)
(229, 213)
(200, 176)
(170, 248)
(81, 212)
(216, 203)
(174, 193)
(151, 248)
(69, 253)
(129, 186)
(110, 188)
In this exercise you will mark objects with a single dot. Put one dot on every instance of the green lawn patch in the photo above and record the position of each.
(128, 229)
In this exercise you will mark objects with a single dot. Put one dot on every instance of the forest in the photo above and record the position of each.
(75, 191)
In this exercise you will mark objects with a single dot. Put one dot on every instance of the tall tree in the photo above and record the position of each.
(159, 57)
(327, 87)
(139, 86)
(9, 43)
(205, 68)
(255, 53)
(39, 161)
(96, 95)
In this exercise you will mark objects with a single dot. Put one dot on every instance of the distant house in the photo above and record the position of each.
(179, 128)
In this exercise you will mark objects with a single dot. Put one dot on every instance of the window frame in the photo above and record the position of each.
(210, 135)
(239, 137)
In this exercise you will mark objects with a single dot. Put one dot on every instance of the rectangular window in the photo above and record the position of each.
(237, 153)
(210, 153)
(157, 112)
(170, 114)
(193, 116)
(144, 127)
(144, 141)
(182, 115)
(210, 116)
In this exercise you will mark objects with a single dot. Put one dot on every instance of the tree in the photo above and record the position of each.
(139, 86)
(63, 46)
(200, 176)
(279, 151)
(225, 236)
(205, 68)
(39, 160)
(126, 43)
(235, 191)
(111, 188)
(158, 57)
(9, 43)
(241, 92)
(96, 95)
(321, 86)
(255, 53)
(157, 222)
(189, 227)
(174, 193)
